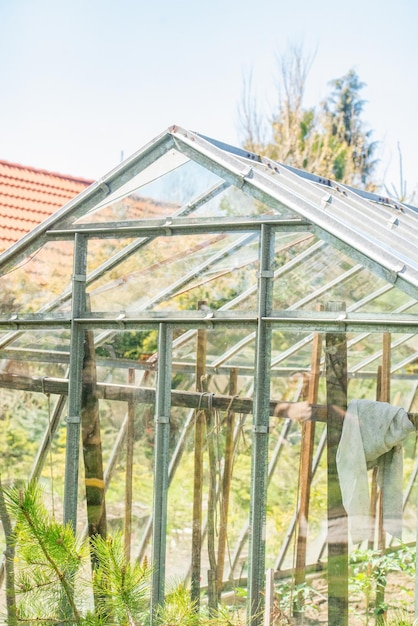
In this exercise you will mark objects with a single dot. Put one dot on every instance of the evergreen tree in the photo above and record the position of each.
(342, 112)
(329, 139)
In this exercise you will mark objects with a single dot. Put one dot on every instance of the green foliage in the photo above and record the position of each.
(134, 345)
(178, 608)
(53, 581)
(19, 433)
(343, 110)
(330, 139)
(120, 588)
(369, 574)
(51, 568)
(49, 557)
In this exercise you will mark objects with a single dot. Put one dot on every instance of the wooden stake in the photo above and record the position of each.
(211, 514)
(269, 605)
(226, 481)
(198, 471)
(129, 469)
(305, 475)
(92, 445)
(336, 377)
(384, 396)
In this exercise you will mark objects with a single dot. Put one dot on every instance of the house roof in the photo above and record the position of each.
(28, 195)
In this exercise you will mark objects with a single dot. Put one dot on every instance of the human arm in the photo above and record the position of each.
(298, 411)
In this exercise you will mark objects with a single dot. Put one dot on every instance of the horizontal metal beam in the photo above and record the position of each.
(301, 321)
(45, 356)
(175, 227)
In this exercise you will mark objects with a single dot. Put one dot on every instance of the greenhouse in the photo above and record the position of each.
(180, 344)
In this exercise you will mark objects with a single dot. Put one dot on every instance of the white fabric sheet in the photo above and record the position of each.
(372, 434)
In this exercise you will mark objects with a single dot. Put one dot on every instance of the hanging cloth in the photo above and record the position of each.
(372, 435)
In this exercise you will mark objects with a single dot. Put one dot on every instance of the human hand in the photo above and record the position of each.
(299, 411)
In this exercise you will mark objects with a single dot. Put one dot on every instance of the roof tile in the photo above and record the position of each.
(28, 195)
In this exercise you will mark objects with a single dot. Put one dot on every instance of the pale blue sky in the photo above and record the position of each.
(84, 80)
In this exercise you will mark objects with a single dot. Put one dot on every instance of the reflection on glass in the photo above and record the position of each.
(39, 279)
(160, 190)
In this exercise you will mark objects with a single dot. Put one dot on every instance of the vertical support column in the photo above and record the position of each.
(162, 440)
(259, 467)
(336, 377)
(72, 453)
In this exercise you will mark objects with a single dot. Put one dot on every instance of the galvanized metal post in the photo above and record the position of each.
(161, 461)
(259, 469)
(78, 307)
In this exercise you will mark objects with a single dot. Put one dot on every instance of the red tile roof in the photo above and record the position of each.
(29, 195)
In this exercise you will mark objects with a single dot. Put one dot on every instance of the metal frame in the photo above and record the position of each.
(375, 233)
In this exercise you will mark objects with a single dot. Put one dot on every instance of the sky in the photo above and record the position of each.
(85, 83)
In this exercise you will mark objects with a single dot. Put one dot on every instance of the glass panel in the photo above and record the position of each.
(160, 274)
(38, 280)
(160, 190)
(310, 273)
(24, 418)
(234, 202)
(37, 353)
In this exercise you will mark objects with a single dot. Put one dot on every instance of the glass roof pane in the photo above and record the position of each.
(234, 202)
(159, 190)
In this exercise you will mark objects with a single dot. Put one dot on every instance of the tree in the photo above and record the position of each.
(330, 139)
(342, 119)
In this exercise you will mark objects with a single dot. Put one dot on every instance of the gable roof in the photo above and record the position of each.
(28, 195)
(376, 232)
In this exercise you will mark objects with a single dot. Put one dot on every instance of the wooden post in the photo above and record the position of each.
(305, 474)
(129, 468)
(336, 378)
(198, 471)
(386, 361)
(211, 514)
(226, 481)
(269, 604)
(92, 445)
(384, 396)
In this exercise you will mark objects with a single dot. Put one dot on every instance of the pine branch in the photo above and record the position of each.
(68, 590)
